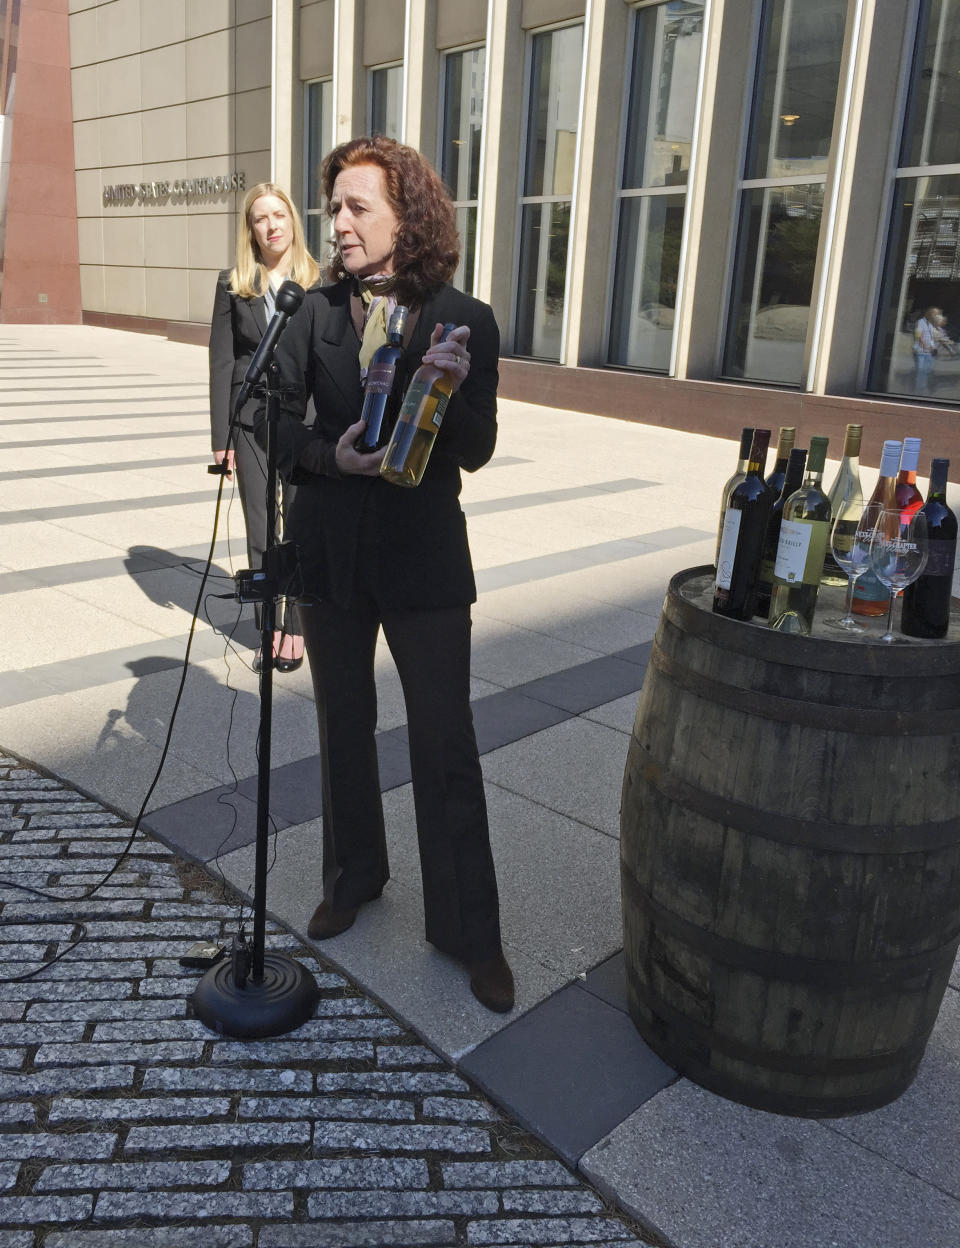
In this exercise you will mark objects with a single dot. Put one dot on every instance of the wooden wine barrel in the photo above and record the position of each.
(790, 854)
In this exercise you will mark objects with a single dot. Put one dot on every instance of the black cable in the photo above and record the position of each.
(94, 888)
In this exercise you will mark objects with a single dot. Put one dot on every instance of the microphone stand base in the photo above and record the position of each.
(283, 1000)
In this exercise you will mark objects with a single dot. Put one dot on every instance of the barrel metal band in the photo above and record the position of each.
(789, 1063)
(860, 721)
(788, 830)
(793, 968)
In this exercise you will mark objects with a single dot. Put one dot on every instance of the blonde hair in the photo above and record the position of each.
(250, 277)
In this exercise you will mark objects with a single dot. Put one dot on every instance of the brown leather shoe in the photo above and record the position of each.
(327, 921)
(491, 982)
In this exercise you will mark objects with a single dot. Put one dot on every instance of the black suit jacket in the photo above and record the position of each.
(413, 541)
(235, 332)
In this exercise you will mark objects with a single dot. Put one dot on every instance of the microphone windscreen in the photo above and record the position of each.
(289, 298)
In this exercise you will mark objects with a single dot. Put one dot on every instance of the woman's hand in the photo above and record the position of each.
(451, 355)
(349, 460)
(231, 458)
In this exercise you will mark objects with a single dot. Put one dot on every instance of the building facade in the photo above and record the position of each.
(702, 213)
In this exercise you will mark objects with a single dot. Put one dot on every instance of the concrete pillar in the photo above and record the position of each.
(284, 107)
(421, 78)
(349, 96)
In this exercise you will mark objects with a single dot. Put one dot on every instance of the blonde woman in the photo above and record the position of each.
(270, 249)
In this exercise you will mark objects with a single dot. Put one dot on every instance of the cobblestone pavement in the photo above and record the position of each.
(128, 1124)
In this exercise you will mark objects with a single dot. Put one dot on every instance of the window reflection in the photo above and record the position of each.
(544, 234)
(782, 197)
(921, 284)
(648, 262)
(318, 142)
(462, 131)
(919, 316)
(779, 234)
(932, 130)
(553, 118)
(663, 88)
(792, 122)
(386, 101)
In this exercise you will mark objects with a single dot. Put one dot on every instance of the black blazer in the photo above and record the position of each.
(413, 541)
(235, 332)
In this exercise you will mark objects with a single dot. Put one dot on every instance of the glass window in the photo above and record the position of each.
(663, 87)
(386, 101)
(798, 72)
(919, 315)
(461, 132)
(552, 122)
(318, 142)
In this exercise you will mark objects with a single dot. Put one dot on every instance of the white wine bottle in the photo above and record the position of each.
(846, 485)
(417, 425)
(804, 533)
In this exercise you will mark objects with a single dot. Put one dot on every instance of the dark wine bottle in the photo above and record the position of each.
(381, 373)
(785, 442)
(792, 480)
(926, 603)
(741, 545)
(746, 441)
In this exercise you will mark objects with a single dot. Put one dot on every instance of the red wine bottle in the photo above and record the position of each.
(788, 436)
(926, 603)
(792, 480)
(381, 373)
(741, 544)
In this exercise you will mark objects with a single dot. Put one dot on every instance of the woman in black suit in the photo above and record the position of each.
(374, 555)
(270, 249)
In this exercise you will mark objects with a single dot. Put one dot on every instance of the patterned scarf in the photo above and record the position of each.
(379, 301)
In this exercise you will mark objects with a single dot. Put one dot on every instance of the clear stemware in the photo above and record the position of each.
(850, 537)
(898, 554)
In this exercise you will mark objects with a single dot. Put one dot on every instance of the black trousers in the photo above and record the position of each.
(251, 469)
(432, 652)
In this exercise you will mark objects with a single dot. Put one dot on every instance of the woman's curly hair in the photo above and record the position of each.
(427, 247)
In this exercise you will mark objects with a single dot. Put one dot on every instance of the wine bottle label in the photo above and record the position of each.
(440, 409)
(800, 551)
(728, 547)
(380, 378)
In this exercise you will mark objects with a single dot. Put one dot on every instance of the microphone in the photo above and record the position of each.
(289, 299)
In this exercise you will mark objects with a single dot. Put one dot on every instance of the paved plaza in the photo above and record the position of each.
(403, 1112)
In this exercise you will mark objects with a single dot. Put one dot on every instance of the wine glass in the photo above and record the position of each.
(898, 554)
(850, 537)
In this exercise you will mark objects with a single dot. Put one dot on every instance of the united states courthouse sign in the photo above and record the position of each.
(125, 193)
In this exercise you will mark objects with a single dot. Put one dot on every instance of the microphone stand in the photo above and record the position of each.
(253, 993)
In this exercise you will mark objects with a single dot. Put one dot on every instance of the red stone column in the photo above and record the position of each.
(41, 252)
